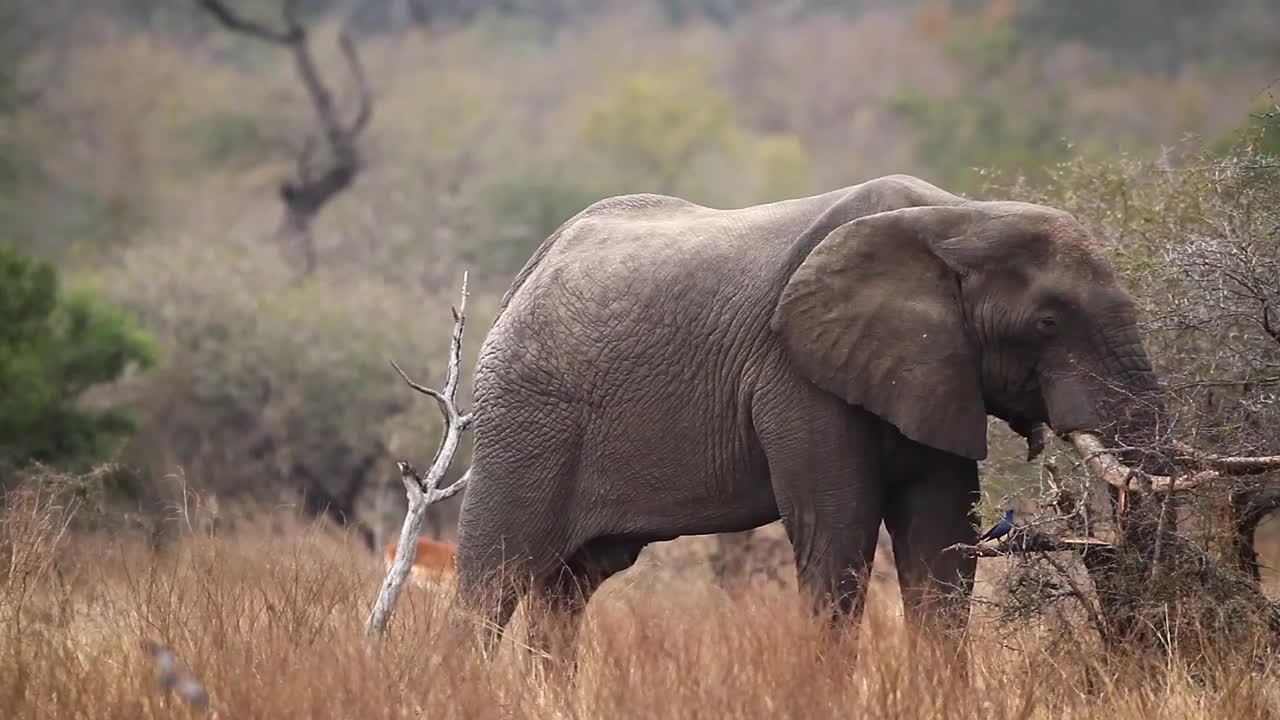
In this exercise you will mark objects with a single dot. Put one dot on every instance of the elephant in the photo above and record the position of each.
(660, 369)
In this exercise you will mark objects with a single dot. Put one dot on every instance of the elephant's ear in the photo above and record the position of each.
(873, 314)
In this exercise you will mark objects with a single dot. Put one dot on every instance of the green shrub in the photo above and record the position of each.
(53, 347)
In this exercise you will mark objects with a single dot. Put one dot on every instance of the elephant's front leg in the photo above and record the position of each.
(824, 468)
(929, 506)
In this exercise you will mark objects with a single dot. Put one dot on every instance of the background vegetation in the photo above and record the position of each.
(153, 316)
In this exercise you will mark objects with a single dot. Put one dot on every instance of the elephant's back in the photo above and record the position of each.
(643, 281)
(654, 244)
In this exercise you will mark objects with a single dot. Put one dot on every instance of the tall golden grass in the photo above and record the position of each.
(270, 621)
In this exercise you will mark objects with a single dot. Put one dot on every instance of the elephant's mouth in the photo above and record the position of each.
(1021, 404)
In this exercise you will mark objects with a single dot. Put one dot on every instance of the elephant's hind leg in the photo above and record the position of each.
(489, 599)
(512, 527)
(565, 592)
(503, 553)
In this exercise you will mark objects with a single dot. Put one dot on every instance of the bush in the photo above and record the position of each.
(1195, 236)
(276, 389)
(53, 347)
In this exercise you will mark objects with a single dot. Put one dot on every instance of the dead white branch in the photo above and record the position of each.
(1104, 466)
(423, 490)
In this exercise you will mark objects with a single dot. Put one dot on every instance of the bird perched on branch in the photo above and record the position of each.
(1001, 528)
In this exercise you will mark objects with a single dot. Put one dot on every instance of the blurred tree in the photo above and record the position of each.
(1007, 118)
(661, 130)
(15, 161)
(727, 13)
(656, 124)
(1160, 36)
(531, 208)
(313, 185)
(275, 391)
(53, 347)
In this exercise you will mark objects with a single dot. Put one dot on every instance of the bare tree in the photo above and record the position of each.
(424, 490)
(313, 184)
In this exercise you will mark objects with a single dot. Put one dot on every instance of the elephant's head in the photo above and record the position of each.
(935, 317)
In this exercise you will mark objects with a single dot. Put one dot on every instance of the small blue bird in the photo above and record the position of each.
(1001, 528)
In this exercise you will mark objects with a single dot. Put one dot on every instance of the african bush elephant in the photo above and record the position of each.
(660, 369)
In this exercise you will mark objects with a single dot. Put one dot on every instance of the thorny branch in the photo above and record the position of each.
(424, 490)
(1104, 466)
(1021, 541)
(1114, 608)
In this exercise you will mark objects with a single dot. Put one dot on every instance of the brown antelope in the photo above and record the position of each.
(433, 564)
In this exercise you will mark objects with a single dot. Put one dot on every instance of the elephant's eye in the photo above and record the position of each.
(1047, 324)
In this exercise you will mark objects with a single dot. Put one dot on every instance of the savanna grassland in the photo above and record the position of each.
(270, 622)
(198, 431)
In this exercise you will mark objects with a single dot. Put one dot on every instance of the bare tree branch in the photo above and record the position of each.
(364, 97)
(435, 394)
(422, 490)
(236, 23)
(1254, 382)
(308, 192)
(1226, 464)
(1104, 466)
(1021, 541)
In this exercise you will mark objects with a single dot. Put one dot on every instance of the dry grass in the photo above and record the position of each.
(271, 623)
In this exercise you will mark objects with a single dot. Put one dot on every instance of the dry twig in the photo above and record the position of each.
(1104, 466)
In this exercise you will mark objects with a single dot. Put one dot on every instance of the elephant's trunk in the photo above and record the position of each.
(1139, 425)
(1110, 392)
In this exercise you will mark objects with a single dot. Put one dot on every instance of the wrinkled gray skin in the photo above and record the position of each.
(661, 369)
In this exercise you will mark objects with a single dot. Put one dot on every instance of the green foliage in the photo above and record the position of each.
(665, 131)
(989, 47)
(1260, 131)
(781, 163)
(53, 347)
(654, 125)
(1007, 120)
(955, 136)
(271, 384)
(530, 209)
(224, 139)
